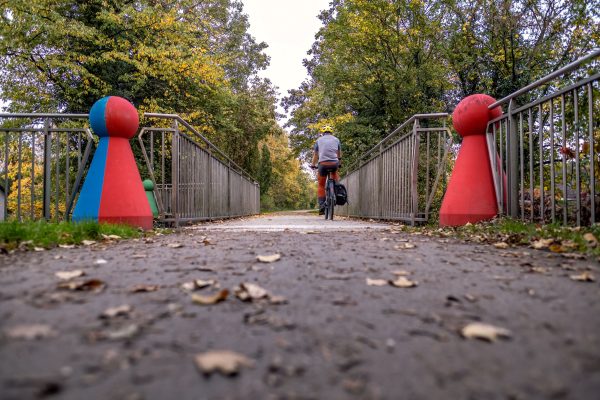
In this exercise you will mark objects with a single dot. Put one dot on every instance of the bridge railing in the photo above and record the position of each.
(42, 161)
(403, 176)
(544, 149)
(195, 181)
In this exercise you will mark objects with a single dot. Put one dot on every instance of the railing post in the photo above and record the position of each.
(512, 164)
(415, 173)
(380, 183)
(175, 173)
(47, 168)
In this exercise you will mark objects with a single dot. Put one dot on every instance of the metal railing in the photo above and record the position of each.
(403, 176)
(544, 153)
(195, 180)
(42, 161)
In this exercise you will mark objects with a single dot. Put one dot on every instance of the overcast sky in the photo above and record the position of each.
(289, 28)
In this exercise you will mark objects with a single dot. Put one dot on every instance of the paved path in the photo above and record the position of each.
(335, 338)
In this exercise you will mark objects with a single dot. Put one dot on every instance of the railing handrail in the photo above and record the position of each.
(567, 68)
(394, 132)
(42, 115)
(201, 137)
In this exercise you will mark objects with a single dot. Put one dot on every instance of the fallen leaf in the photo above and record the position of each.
(66, 246)
(401, 272)
(276, 300)
(590, 239)
(39, 249)
(583, 277)
(125, 332)
(135, 256)
(542, 243)
(29, 332)
(250, 291)
(224, 361)
(67, 275)
(405, 246)
(174, 245)
(112, 312)
(88, 242)
(403, 282)
(556, 248)
(376, 282)
(478, 330)
(95, 285)
(539, 270)
(197, 284)
(100, 261)
(269, 259)
(143, 288)
(111, 237)
(501, 245)
(212, 299)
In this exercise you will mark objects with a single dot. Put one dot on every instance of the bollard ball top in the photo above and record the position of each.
(471, 115)
(115, 117)
(148, 184)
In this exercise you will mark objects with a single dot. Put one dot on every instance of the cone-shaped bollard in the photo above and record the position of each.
(470, 196)
(149, 188)
(113, 191)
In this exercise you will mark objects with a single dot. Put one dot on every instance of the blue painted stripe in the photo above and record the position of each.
(88, 204)
(98, 117)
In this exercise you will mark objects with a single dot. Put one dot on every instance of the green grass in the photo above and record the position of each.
(518, 233)
(50, 234)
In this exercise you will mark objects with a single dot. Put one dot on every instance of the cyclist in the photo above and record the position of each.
(328, 154)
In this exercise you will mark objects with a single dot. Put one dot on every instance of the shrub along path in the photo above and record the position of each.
(335, 310)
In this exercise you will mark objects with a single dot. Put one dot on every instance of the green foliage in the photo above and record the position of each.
(265, 172)
(187, 57)
(375, 63)
(50, 234)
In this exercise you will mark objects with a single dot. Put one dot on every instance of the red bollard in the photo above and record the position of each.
(470, 196)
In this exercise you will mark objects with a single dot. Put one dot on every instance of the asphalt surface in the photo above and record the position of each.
(335, 338)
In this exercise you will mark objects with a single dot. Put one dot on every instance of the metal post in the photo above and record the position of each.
(512, 164)
(415, 173)
(175, 173)
(47, 168)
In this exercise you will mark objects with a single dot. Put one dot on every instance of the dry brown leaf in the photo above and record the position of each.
(125, 332)
(95, 285)
(377, 282)
(100, 261)
(590, 239)
(66, 246)
(174, 245)
(276, 300)
(111, 237)
(112, 312)
(556, 248)
(501, 245)
(401, 272)
(583, 277)
(212, 299)
(404, 246)
(67, 275)
(224, 361)
(136, 256)
(269, 259)
(197, 284)
(143, 288)
(29, 332)
(478, 330)
(403, 282)
(88, 242)
(542, 243)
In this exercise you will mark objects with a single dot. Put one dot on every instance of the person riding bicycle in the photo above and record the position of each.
(328, 154)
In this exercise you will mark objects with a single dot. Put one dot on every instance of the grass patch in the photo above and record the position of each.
(50, 234)
(552, 237)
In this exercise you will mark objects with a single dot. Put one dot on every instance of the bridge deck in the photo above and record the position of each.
(336, 337)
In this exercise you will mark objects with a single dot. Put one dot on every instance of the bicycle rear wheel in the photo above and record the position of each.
(330, 200)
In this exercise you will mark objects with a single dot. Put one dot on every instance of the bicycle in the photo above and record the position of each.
(330, 198)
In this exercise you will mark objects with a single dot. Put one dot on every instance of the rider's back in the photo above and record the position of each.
(328, 146)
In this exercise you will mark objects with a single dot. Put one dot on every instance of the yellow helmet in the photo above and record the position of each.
(326, 128)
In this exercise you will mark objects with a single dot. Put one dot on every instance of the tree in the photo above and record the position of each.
(265, 169)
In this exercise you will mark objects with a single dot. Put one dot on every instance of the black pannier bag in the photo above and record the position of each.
(341, 194)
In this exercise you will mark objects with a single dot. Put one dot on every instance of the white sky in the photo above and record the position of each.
(289, 28)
